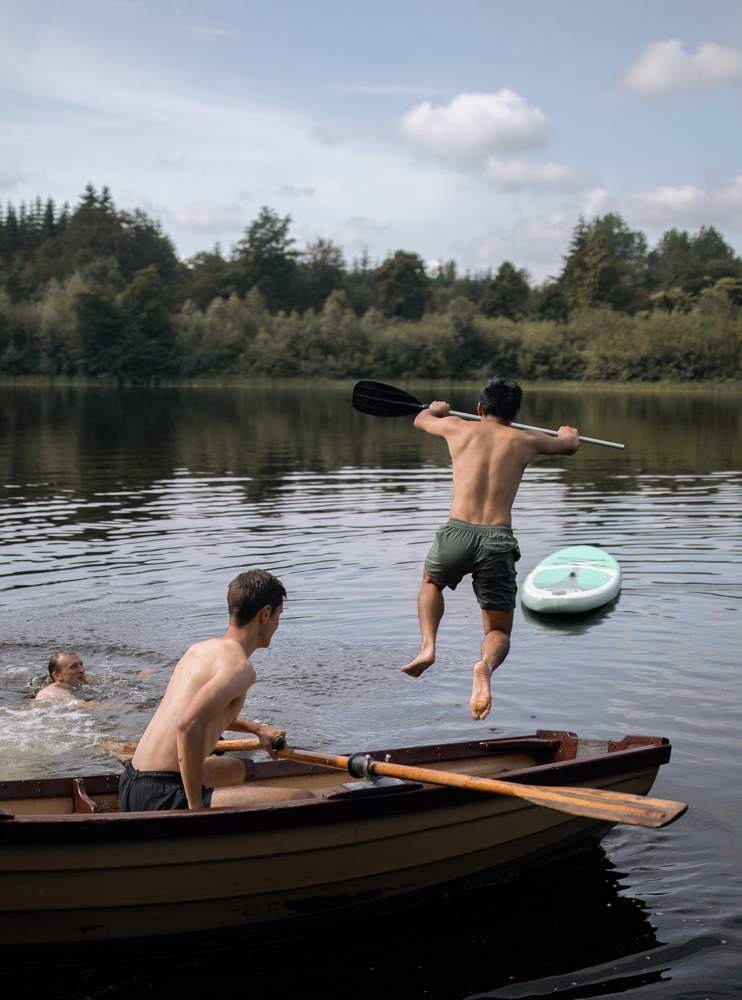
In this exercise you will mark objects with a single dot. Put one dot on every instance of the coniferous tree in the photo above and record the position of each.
(606, 265)
(320, 272)
(359, 285)
(267, 260)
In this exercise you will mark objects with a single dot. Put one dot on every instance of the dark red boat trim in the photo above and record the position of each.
(112, 827)
(95, 784)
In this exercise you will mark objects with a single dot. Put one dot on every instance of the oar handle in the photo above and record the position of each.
(544, 430)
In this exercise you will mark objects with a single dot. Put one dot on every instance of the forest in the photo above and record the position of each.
(99, 292)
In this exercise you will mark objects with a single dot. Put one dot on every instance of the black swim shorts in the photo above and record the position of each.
(144, 791)
(488, 551)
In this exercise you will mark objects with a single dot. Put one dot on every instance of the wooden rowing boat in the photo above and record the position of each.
(75, 869)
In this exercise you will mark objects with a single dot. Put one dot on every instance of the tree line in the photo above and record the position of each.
(100, 292)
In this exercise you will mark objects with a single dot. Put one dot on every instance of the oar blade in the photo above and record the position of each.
(595, 803)
(382, 400)
(637, 810)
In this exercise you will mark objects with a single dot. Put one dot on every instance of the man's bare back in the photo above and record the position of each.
(203, 698)
(489, 459)
(215, 667)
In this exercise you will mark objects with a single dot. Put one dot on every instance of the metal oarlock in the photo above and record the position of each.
(359, 766)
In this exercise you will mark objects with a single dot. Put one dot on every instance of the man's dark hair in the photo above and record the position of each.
(55, 658)
(500, 397)
(251, 591)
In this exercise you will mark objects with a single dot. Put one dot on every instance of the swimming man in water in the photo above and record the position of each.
(172, 767)
(489, 459)
(67, 673)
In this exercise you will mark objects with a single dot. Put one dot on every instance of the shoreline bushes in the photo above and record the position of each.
(76, 328)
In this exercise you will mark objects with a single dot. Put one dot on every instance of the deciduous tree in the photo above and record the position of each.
(507, 293)
(403, 286)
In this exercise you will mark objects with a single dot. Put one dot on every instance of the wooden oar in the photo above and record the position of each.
(125, 751)
(614, 807)
(381, 400)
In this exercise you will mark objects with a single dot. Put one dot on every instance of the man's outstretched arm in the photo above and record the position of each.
(566, 442)
(212, 699)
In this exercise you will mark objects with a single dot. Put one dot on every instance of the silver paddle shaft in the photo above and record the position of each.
(544, 430)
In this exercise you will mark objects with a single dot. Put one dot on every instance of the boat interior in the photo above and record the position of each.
(93, 794)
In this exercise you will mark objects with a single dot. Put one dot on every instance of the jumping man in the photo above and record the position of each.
(489, 459)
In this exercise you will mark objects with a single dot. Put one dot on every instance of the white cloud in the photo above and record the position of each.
(368, 225)
(536, 242)
(473, 126)
(665, 69)
(327, 136)
(514, 175)
(10, 175)
(205, 216)
(687, 205)
(295, 191)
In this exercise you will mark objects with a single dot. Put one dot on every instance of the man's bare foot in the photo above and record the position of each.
(420, 664)
(481, 697)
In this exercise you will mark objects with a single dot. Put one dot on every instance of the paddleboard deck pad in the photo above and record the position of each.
(572, 580)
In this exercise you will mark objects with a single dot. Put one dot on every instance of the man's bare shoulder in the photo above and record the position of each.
(55, 692)
(441, 426)
(47, 693)
(214, 655)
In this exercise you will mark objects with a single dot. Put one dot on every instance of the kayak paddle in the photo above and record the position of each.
(382, 400)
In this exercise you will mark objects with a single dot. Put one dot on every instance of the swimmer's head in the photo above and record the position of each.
(66, 668)
(500, 397)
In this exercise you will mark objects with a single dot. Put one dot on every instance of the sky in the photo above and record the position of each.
(474, 130)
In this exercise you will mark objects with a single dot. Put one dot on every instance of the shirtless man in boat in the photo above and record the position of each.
(67, 673)
(172, 767)
(489, 459)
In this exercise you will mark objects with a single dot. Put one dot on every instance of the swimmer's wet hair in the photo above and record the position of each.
(250, 592)
(500, 397)
(54, 660)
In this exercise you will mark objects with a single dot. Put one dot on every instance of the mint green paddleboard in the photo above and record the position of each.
(572, 580)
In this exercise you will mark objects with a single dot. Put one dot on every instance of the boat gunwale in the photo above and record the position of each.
(113, 826)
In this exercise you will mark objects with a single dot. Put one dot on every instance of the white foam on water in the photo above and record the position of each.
(37, 737)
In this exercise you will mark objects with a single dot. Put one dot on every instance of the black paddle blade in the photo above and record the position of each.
(384, 400)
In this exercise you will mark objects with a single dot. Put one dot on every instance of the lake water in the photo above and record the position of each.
(125, 514)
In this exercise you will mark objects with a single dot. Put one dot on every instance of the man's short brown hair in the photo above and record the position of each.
(251, 591)
(55, 658)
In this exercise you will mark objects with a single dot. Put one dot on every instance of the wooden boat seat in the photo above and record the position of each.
(80, 798)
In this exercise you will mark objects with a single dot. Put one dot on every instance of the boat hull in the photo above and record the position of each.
(75, 878)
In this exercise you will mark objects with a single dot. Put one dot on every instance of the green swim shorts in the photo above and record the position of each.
(488, 551)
